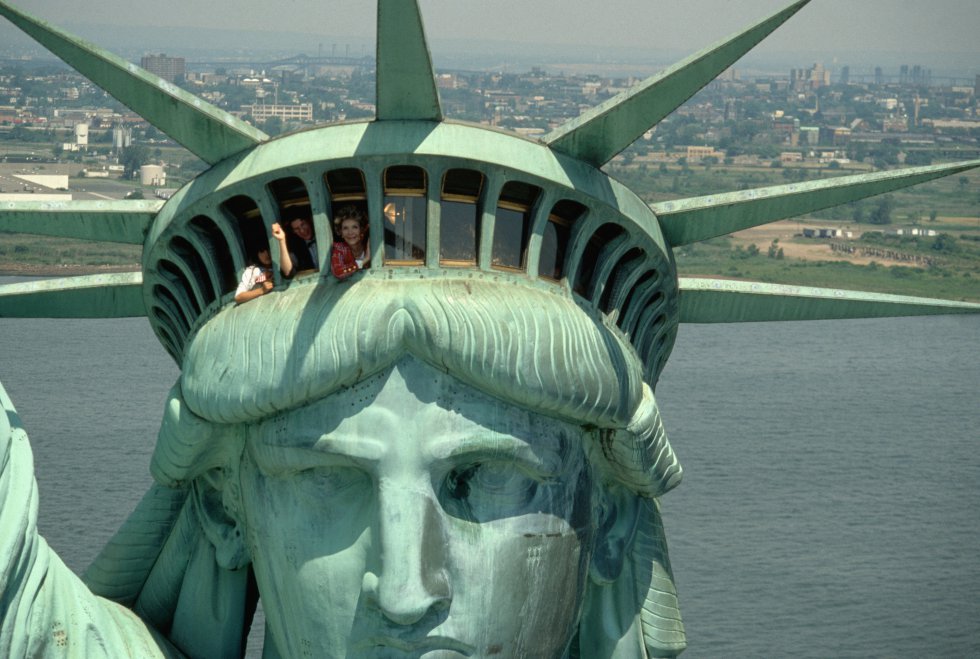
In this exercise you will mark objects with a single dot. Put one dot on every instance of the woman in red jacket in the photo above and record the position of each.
(351, 252)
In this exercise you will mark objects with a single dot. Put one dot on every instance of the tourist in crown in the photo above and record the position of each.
(257, 276)
(351, 251)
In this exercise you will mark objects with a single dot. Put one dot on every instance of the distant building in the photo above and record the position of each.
(122, 137)
(168, 68)
(827, 233)
(153, 175)
(911, 231)
(879, 76)
(81, 134)
(261, 112)
(845, 75)
(810, 135)
(699, 153)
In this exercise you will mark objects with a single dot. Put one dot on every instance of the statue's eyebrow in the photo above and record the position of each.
(545, 456)
(296, 456)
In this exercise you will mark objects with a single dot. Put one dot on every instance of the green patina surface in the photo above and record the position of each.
(117, 295)
(728, 301)
(406, 86)
(120, 221)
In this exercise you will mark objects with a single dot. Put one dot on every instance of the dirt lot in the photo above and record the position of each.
(789, 233)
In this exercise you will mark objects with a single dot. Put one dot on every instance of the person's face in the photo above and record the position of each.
(264, 257)
(412, 516)
(303, 228)
(351, 232)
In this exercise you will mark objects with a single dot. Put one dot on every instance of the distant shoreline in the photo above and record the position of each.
(25, 270)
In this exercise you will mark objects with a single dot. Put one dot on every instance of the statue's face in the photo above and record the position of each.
(411, 516)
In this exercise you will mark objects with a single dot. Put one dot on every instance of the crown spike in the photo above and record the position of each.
(406, 80)
(735, 301)
(117, 295)
(208, 132)
(116, 221)
(687, 221)
(599, 134)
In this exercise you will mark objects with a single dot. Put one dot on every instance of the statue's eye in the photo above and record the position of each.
(488, 490)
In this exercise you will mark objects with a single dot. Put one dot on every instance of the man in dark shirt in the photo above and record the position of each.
(304, 244)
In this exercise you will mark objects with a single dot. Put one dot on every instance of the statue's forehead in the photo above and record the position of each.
(411, 399)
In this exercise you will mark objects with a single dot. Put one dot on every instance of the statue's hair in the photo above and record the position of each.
(530, 347)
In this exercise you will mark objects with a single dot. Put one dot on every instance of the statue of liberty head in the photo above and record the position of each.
(454, 449)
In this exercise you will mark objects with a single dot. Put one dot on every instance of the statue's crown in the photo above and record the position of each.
(442, 200)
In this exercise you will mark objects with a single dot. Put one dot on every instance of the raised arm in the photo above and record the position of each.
(46, 610)
(285, 259)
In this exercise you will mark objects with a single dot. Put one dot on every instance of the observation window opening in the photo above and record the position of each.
(404, 215)
(603, 236)
(347, 188)
(512, 225)
(295, 215)
(556, 236)
(247, 223)
(459, 217)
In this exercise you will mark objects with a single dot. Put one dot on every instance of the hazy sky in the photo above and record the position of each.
(910, 26)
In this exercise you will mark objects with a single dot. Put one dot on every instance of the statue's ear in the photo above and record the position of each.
(215, 500)
(618, 514)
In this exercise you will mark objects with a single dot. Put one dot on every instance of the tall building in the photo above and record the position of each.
(168, 68)
(845, 75)
(879, 76)
(122, 136)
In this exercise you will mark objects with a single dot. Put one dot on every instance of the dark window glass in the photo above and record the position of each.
(291, 198)
(512, 225)
(345, 184)
(602, 237)
(618, 276)
(218, 249)
(554, 241)
(188, 254)
(404, 214)
(247, 219)
(640, 283)
(459, 224)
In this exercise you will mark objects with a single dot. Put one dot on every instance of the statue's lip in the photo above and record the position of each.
(416, 646)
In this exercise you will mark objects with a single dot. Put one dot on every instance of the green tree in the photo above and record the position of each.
(882, 213)
(944, 243)
(917, 158)
(132, 158)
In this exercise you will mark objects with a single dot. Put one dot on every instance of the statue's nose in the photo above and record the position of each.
(414, 576)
